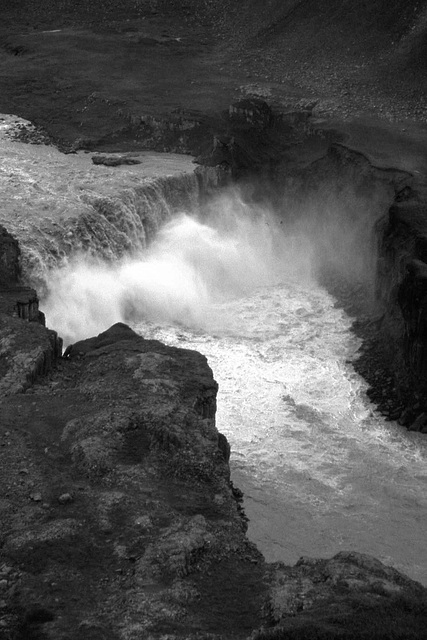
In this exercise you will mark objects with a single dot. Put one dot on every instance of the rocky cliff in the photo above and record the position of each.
(401, 290)
(391, 310)
(27, 349)
(368, 222)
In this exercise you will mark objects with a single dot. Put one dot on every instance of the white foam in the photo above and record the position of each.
(192, 266)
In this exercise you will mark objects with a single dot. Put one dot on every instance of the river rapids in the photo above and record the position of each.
(320, 469)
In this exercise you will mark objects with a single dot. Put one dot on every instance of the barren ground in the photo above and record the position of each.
(88, 72)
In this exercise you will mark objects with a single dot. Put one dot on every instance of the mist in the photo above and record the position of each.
(339, 220)
(229, 249)
(193, 266)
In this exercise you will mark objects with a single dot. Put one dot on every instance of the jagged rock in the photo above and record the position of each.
(342, 597)
(117, 332)
(402, 284)
(28, 351)
(10, 252)
(15, 299)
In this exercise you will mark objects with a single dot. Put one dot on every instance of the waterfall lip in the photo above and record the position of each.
(53, 202)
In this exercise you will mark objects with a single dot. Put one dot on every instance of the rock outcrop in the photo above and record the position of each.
(402, 292)
(27, 349)
(10, 271)
(352, 595)
(251, 139)
(119, 517)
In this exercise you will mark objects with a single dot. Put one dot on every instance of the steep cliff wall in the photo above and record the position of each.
(402, 294)
(27, 349)
(368, 226)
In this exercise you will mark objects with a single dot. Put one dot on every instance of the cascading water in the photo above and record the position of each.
(320, 470)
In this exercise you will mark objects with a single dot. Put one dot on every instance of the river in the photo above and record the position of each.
(320, 470)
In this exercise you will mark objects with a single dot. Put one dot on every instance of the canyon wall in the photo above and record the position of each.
(402, 294)
(27, 349)
(369, 228)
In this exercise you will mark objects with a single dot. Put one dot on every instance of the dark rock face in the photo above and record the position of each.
(402, 290)
(22, 302)
(251, 139)
(9, 259)
(370, 230)
(16, 299)
(412, 298)
(27, 350)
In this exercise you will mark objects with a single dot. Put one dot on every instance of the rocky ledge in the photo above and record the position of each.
(118, 519)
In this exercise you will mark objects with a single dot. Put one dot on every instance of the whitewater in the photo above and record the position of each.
(320, 469)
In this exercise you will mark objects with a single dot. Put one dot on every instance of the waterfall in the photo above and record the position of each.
(103, 227)
(59, 206)
(196, 260)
